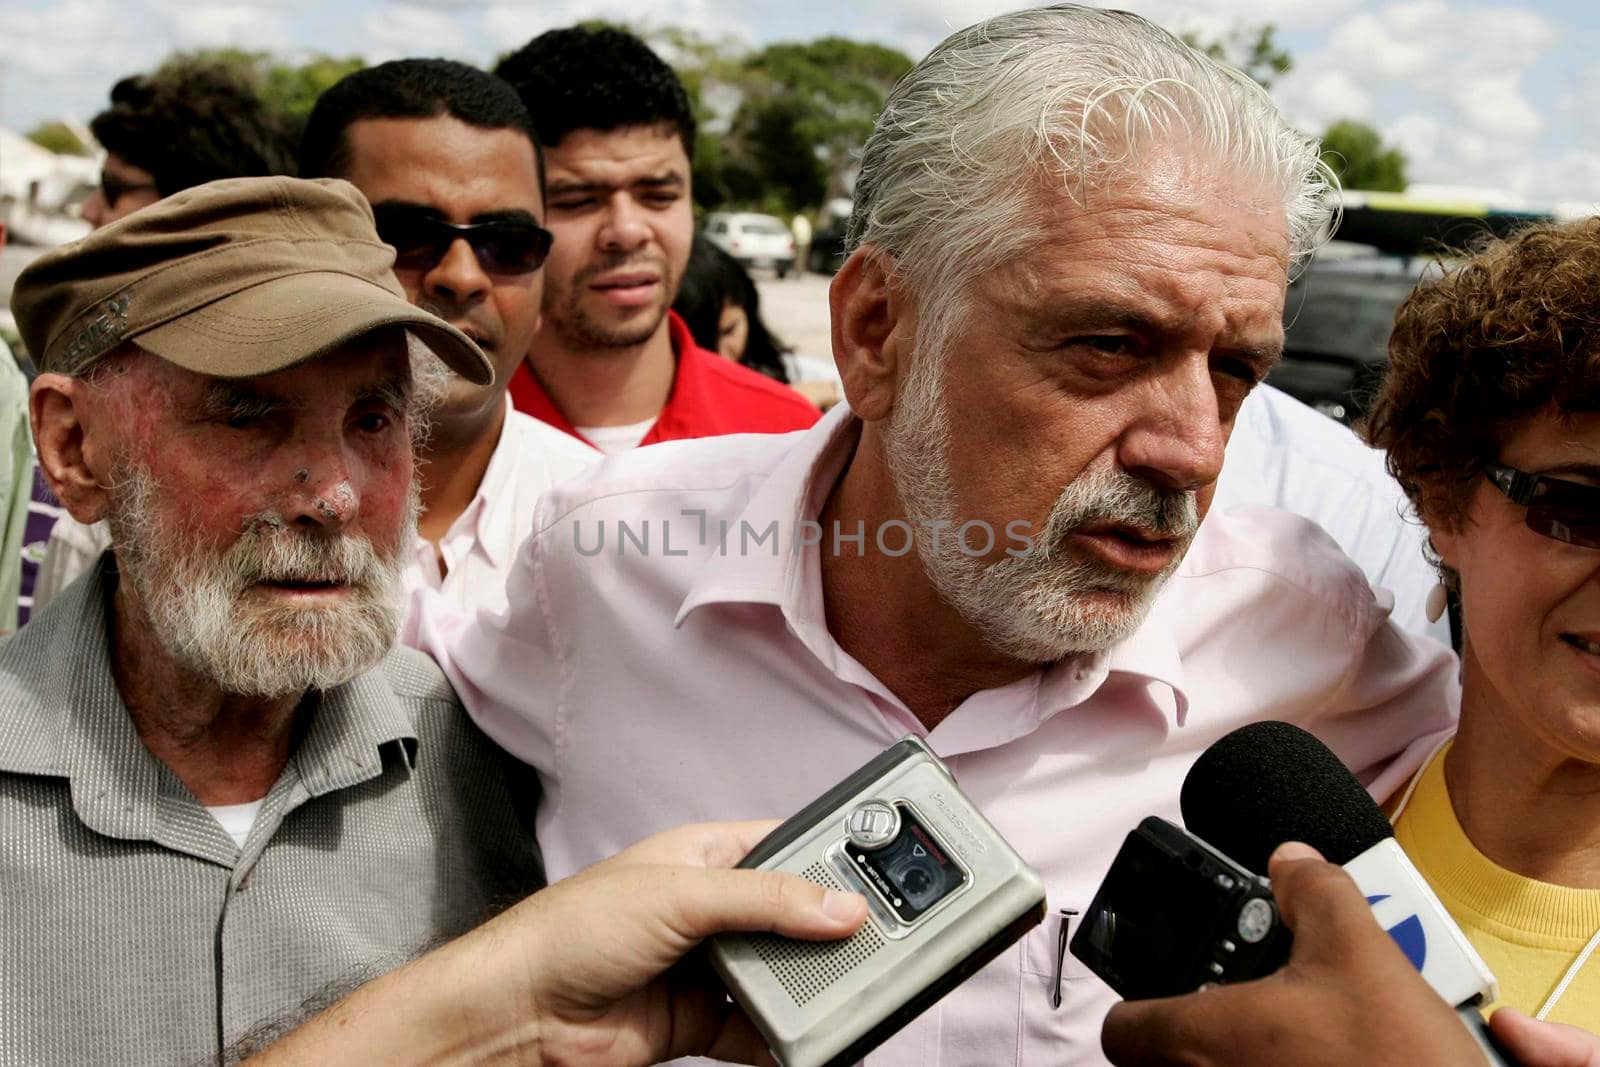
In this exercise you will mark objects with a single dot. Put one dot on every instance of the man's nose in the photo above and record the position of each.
(626, 226)
(1177, 440)
(458, 277)
(322, 493)
(94, 210)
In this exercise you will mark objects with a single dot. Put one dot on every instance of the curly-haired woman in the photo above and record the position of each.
(1491, 417)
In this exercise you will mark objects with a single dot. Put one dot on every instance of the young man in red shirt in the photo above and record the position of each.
(612, 364)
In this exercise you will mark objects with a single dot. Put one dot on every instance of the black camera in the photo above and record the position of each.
(912, 871)
(1173, 915)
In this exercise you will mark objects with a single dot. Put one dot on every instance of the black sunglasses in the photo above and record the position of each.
(113, 188)
(1566, 511)
(420, 241)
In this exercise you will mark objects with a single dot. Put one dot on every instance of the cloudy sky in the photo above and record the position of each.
(1492, 96)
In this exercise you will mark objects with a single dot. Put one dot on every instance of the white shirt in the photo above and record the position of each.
(686, 682)
(237, 819)
(479, 548)
(1284, 454)
(614, 439)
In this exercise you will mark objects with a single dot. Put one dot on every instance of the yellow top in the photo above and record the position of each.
(1528, 932)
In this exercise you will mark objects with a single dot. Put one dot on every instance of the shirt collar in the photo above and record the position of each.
(754, 569)
(1152, 653)
(492, 507)
(73, 724)
(797, 489)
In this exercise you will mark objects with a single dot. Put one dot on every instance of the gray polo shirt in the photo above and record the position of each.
(136, 932)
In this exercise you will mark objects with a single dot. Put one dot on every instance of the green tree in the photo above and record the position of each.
(1357, 154)
(59, 138)
(806, 110)
(1253, 50)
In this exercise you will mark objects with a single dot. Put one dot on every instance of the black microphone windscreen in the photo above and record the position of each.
(1272, 782)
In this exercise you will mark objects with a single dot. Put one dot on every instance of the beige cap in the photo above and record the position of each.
(232, 278)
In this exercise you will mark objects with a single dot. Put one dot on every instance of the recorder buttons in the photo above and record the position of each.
(873, 824)
(1255, 920)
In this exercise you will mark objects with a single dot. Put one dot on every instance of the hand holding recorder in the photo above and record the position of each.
(583, 972)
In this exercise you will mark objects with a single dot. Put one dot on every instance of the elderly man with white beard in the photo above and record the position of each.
(1071, 241)
(221, 791)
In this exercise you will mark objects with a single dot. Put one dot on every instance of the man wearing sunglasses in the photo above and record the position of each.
(446, 155)
(184, 125)
(613, 364)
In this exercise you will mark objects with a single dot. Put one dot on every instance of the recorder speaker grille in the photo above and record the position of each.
(806, 968)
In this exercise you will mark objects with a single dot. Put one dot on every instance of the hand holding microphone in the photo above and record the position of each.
(1255, 789)
(1348, 997)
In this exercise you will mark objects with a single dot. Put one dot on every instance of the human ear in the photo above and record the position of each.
(57, 405)
(873, 323)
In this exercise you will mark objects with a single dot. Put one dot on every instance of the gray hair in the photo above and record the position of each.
(1067, 91)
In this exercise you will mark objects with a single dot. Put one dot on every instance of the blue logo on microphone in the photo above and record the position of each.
(1407, 933)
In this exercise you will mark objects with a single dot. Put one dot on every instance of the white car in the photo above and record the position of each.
(754, 240)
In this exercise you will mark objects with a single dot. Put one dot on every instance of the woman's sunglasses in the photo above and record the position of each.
(1566, 511)
(421, 240)
(113, 188)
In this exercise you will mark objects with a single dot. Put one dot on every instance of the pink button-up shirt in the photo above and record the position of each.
(674, 672)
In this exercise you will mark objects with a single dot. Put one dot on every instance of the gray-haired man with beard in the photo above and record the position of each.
(221, 791)
(1071, 241)
(446, 155)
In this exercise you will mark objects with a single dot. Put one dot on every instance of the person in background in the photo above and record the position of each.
(1490, 414)
(16, 477)
(188, 123)
(800, 226)
(720, 304)
(612, 365)
(1284, 454)
(447, 156)
(715, 300)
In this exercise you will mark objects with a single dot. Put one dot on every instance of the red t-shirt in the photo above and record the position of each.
(710, 396)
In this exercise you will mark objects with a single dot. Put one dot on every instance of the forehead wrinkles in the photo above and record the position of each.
(1195, 256)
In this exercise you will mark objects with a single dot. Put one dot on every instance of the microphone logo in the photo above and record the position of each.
(1407, 933)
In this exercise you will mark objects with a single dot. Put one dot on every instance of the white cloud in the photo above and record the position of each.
(76, 35)
(397, 31)
(510, 26)
(1494, 104)
(1419, 136)
(256, 29)
(1315, 99)
(59, 61)
(1369, 46)
(1443, 81)
(1217, 17)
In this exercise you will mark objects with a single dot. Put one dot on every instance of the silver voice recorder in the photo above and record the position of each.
(945, 895)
